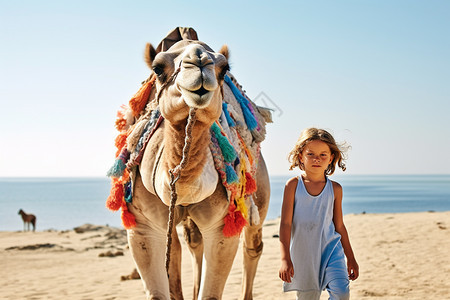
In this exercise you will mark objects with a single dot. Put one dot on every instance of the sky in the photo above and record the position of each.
(374, 73)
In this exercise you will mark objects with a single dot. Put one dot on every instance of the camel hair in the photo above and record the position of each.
(223, 186)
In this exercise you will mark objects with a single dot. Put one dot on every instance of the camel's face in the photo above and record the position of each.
(200, 73)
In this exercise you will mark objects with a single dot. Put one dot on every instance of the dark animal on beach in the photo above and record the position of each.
(27, 220)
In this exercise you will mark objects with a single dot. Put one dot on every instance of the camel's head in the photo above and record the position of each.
(189, 74)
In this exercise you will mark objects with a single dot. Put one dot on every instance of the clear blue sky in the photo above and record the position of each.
(375, 73)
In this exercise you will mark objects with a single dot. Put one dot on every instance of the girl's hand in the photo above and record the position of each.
(353, 269)
(286, 270)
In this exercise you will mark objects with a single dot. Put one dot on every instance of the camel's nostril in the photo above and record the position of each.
(201, 91)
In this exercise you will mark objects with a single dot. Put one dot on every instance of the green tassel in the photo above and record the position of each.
(117, 169)
(228, 152)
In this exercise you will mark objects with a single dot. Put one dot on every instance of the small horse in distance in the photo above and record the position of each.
(27, 220)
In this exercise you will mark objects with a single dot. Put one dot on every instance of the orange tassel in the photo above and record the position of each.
(121, 124)
(115, 199)
(120, 141)
(125, 176)
(128, 219)
(140, 99)
(234, 222)
(250, 184)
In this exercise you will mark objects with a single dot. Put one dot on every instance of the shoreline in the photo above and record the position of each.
(120, 227)
(401, 256)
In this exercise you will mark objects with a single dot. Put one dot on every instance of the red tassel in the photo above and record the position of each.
(128, 219)
(115, 199)
(140, 99)
(240, 221)
(234, 222)
(250, 185)
(229, 229)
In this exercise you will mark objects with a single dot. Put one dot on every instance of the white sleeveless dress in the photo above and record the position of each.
(316, 249)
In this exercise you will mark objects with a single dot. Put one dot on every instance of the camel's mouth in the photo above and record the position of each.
(199, 98)
(201, 91)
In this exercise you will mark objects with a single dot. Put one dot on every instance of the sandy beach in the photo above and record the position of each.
(401, 256)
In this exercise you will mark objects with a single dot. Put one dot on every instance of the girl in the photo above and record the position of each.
(313, 237)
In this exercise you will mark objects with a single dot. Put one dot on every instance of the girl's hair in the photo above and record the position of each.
(313, 134)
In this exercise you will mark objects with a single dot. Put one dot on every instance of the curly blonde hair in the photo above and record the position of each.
(313, 134)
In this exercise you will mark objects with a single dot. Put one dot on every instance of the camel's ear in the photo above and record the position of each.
(150, 54)
(224, 51)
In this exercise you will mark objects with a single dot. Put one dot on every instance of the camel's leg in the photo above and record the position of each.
(194, 241)
(219, 256)
(219, 250)
(176, 292)
(252, 250)
(148, 243)
(253, 244)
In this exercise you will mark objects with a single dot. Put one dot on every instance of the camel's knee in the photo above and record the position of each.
(192, 234)
(256, 252)
(156, 295)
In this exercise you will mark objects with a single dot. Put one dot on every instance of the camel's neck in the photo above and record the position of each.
(196, 157)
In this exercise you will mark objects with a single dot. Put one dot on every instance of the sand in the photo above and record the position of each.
(401, 256)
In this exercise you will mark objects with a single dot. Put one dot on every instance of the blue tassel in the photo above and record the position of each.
(117, 169)
(227, 115)
(128, 194)
(237, 162)
(248, 116)
(231, 174)
(120, 164)
(228, 152)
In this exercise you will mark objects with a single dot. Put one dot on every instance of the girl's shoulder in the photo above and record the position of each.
(292, 182)
(336, 186)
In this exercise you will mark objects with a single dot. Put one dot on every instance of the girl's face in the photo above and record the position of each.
(316, 157)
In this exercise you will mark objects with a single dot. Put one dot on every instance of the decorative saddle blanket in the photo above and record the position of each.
(235, 139)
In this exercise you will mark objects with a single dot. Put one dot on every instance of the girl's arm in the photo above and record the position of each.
(287, 210)
(338, 219)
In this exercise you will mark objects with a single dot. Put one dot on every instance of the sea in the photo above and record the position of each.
(65, 203)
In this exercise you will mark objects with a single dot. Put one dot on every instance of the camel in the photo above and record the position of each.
(189, 78)
(27, 220)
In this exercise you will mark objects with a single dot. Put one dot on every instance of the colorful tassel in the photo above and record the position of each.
(228, 152)
(230, 121)
(115, 199)
(250, 184)
(234, 222)
(254, 213)
(242, 207)
(128, 219)
(250, 119)
(120, 142)
(138, 102)
(119, 166)
(128, 192)
(117, 169)
(231, 174)
(121, 124)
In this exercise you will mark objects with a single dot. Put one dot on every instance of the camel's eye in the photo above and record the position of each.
(158, 70)
(224, 71)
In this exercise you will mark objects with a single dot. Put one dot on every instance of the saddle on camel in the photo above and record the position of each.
(188, 151)
(27, 220)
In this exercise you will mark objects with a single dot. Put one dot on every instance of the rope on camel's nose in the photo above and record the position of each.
(174, 176)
